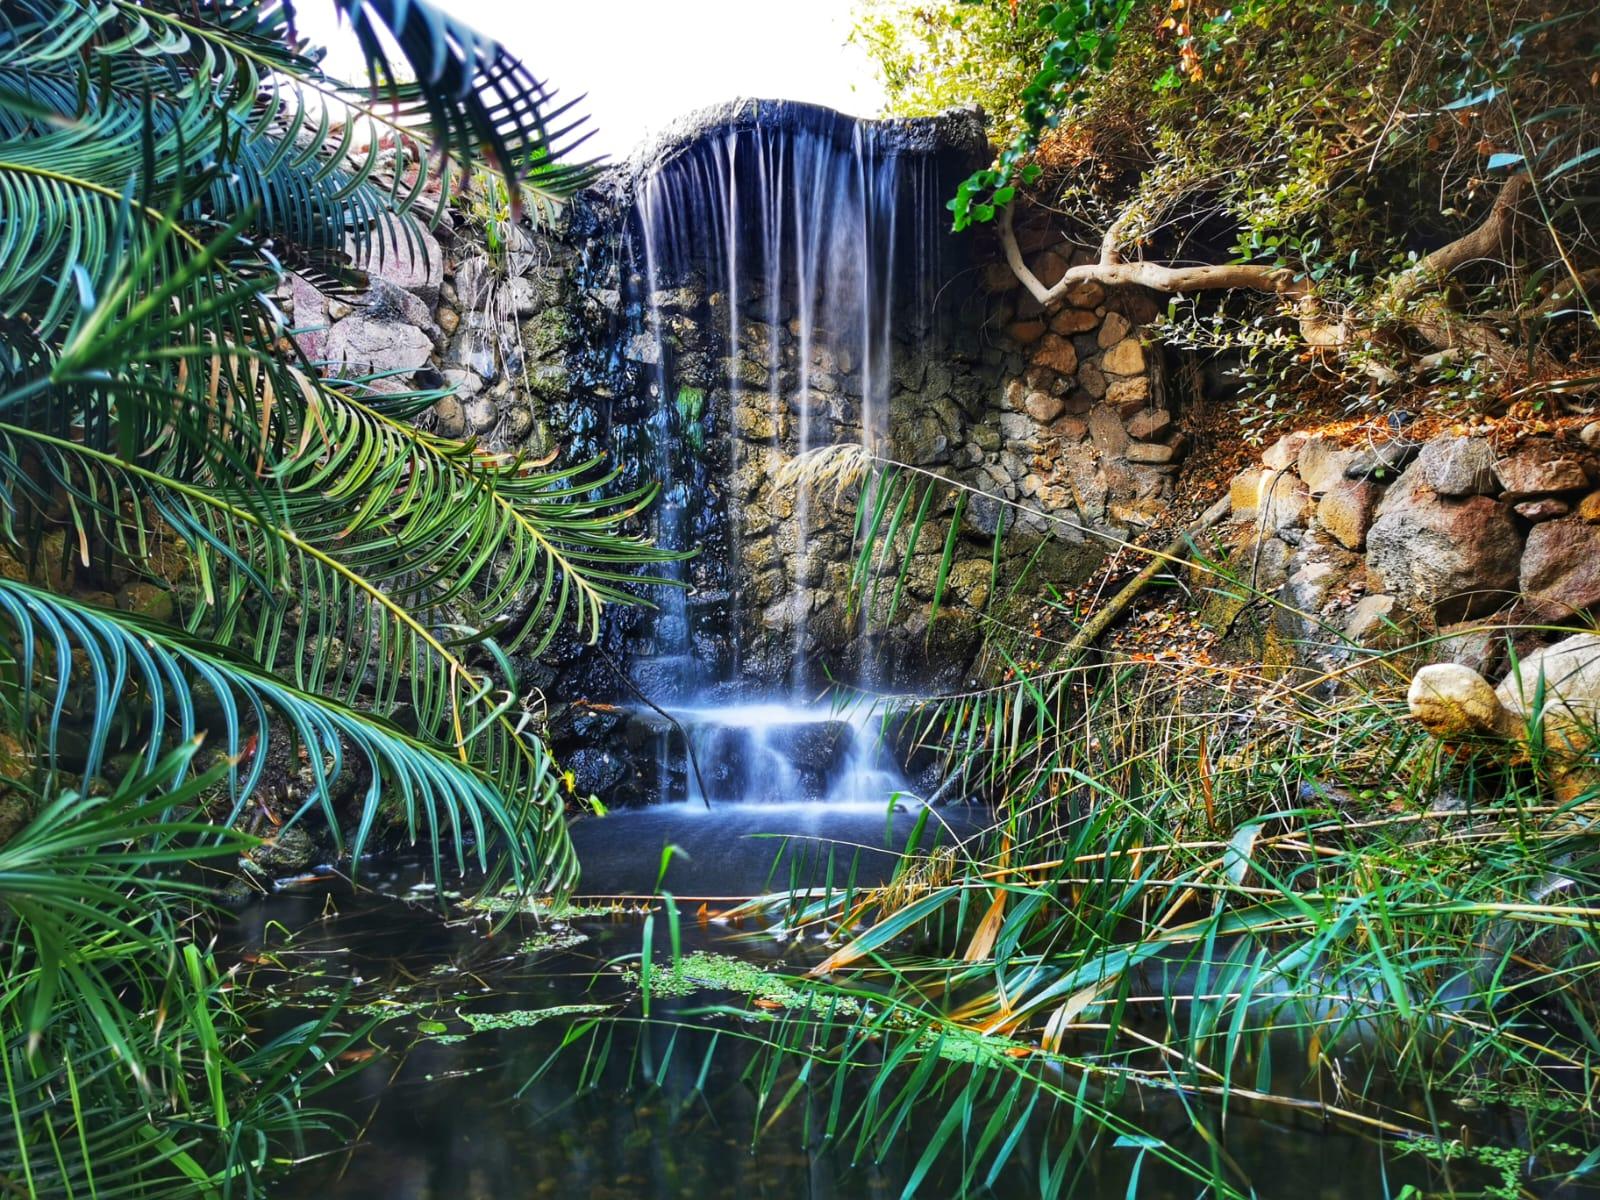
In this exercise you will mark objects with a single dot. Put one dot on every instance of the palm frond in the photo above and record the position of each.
(78, 666)
(107, 1009)
(478, 99)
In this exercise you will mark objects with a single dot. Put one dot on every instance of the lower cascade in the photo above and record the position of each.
(783, 753)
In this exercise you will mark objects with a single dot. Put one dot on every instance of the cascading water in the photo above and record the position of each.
(769, 263)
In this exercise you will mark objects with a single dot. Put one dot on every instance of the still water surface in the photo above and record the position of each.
(479, 1090)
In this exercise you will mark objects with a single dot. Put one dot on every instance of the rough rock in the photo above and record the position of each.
(1561, 568)
(1545, 508)
(1284, 453)
(450, 418)
(1381, 462)
(1478, 645)
(1454, 702)
(405, 254)
(1112, 330)
(1244, 493)
(1310, 587)
(1042, 406)
(1085, 295)
(1056, 353)
(1565, 680)
(361, 346)
(1459, 466)
(1073, 320)
(1152, 453)
(384, 301)
(1539, 469)
(1346, 511)
(1458, 556)
(310, 316)
(1370, 617)
(1552, 697)
(595, 771)
(1125, 358)
(1152, 423)
(1105, 427)
(1284, 503)
(1129, 395)
(1321, 462)
(1072, 429)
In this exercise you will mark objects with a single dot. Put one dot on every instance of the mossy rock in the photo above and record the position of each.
(547, 333)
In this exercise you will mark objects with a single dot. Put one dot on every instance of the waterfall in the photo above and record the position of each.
(768, 261)
(796, 231)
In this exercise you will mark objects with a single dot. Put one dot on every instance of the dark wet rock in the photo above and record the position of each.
(596, 771)
(817, 749)
(959, 132)
(288, 851)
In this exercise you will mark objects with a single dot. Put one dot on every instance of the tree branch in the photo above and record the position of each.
(1434, 322)
(1112, 272)
(1486, 241)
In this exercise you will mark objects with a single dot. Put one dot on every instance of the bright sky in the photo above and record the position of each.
(644, 62)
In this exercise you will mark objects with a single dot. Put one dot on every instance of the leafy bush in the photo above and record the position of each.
(317, 580)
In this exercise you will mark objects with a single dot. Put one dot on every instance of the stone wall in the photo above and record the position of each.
(1089, 428)
(1462, 544)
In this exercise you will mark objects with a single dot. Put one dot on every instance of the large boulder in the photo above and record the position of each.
(1458, 556)
(1551, 699)
(309, 309)
(405, 254)
(1561, 568)
(359, 345)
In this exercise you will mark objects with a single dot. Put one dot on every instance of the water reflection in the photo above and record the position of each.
(479, 1090)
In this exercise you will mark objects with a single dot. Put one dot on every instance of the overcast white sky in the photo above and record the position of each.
(643, 63)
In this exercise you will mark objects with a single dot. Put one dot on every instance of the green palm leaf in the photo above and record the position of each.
(185, 685)
(106, 1008)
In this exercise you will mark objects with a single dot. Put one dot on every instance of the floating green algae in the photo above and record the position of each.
(547, 907)
(704, 971)
(548, 941)
(517, 1018)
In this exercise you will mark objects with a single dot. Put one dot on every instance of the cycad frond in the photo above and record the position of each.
(108, 1012)
(476, 97)
(78, 666)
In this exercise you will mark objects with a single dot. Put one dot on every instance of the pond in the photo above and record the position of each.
(517, 1054)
